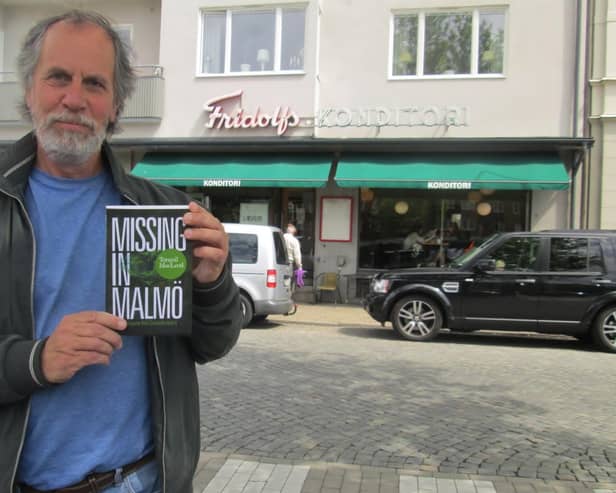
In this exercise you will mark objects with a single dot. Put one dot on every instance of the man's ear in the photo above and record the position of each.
(28, 98)
(116, 111)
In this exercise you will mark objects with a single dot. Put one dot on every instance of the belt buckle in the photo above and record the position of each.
(92, 483)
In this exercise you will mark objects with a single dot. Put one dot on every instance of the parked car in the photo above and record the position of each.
(260, 269)
(558, 282)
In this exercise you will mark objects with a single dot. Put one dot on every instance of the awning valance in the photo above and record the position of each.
(453, 171)
(232, 171)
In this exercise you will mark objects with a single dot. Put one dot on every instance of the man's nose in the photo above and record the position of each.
(73, 98)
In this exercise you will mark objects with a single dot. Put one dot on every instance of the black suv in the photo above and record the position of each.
(558, 282)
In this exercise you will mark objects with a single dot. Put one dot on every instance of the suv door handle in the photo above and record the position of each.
(603, 281)
(523, 281)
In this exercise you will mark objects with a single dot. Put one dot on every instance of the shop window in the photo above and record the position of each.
(252, 41)
(409, 228)
(440, 43)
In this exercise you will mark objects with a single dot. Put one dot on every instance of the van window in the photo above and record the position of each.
(281, 249)
(244, 248)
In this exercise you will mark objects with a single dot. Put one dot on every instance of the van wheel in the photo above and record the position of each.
(604, 330)
(417, 318)
(247, 311)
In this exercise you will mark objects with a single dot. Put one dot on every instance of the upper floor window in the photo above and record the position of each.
(252, 40)
(469, 42)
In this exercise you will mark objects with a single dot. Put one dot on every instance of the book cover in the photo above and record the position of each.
(148, 271)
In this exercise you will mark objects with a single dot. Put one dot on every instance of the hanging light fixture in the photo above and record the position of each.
(474, 196)
(366, 194)
(401, 207)
(484, 208)
(487, 191)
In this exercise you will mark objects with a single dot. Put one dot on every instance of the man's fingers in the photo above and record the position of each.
(81, 339)
(100, 318)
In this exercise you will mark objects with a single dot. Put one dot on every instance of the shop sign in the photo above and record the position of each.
(449, 185)
(281, 118)
(409, 116)
(208, 182)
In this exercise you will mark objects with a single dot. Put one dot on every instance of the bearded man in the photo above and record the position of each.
(82, 407)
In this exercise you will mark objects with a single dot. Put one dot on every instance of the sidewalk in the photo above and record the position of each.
(218, 473)
(222, 473)
(327, 314)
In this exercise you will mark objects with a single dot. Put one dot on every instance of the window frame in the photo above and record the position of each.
(421, 32)
(227, 72)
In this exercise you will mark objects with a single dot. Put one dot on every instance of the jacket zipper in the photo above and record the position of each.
(162, 392)
(25, 425)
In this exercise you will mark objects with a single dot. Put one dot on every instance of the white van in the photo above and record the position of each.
(260, 269)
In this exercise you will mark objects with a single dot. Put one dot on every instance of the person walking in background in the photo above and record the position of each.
(82, 407)
(294, 253)
(293, 247)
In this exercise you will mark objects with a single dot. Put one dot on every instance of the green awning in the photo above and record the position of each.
(453, 171)
(235, 170)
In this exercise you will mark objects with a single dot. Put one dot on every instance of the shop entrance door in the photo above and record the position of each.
(298, 208)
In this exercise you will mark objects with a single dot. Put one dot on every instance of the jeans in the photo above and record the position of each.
(146, 479)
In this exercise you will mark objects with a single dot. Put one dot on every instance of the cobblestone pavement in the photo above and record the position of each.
(330, 389)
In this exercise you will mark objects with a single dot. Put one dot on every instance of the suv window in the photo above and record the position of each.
(516, 254)
(575, 255)
(244, 248)
(281, 249)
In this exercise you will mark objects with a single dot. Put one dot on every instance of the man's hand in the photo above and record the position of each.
(211, 244)
(81, 339)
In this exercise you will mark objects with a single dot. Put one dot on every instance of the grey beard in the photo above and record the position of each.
(68, 148)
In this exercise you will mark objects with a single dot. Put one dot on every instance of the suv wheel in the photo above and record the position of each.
(417, 318)
(604, 330)
(247, 311)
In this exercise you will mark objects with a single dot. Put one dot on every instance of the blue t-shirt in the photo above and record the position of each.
(99, 419)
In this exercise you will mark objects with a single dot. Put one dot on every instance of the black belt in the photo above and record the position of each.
(95, 481)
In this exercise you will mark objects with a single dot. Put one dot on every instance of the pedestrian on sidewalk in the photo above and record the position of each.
(294, 253)
(82, 407)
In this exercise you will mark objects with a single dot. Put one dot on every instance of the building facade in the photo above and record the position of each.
(393, 133)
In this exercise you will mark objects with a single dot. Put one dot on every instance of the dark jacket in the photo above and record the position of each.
(173, 382)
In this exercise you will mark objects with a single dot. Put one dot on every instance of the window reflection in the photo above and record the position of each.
(431, 230)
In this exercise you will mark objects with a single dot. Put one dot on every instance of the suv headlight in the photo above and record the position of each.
(381, 285)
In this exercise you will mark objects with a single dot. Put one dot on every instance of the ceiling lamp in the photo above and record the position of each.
(366, 194)
(484, 208)
(474, 196)
(401, 207)
(487, 191)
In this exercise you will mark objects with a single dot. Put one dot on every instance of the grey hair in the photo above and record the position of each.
(123, 72)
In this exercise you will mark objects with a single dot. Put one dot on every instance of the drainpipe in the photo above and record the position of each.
(576, 87)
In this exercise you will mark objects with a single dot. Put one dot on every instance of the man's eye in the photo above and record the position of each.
(95, 83)
(59, 77)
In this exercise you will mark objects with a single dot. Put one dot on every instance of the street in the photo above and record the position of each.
(351, 392)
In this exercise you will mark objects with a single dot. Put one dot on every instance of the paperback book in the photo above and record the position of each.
(148, 271)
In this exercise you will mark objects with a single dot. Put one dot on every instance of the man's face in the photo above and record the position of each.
(71, 96)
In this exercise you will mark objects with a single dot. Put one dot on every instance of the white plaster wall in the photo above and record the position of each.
(186, 93)
(608, 175)
(2, 67)
(549, 209)
(534, 98)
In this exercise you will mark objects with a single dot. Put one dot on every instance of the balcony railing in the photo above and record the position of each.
(145, 104)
